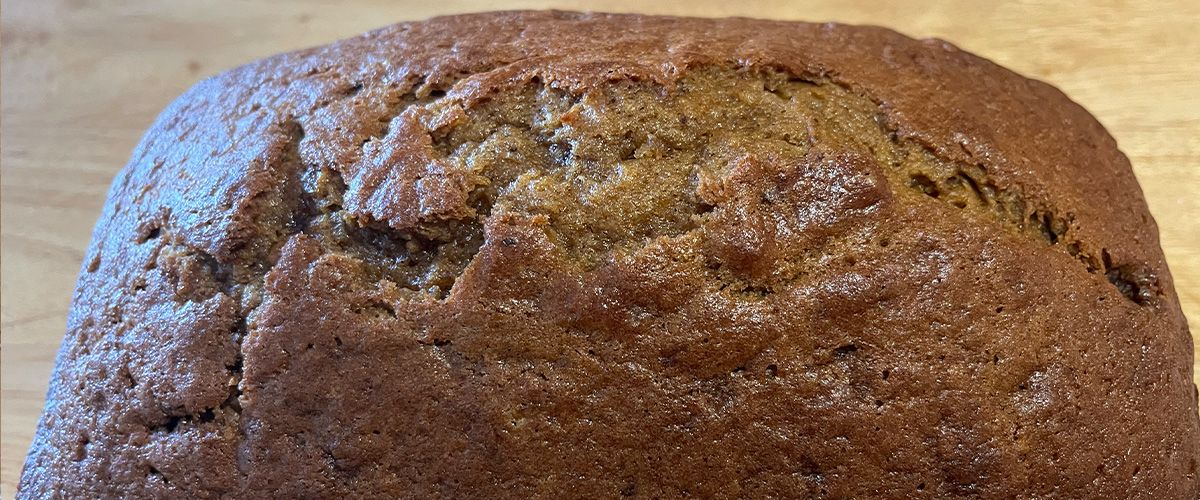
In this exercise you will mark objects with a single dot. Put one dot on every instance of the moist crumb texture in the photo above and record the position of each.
(551, 254)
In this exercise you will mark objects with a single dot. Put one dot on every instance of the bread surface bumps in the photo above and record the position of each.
(557, 254)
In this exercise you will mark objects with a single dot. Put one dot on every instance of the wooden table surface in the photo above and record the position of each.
(82, 80)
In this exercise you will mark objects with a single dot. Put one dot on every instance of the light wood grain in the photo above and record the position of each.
(82, 80)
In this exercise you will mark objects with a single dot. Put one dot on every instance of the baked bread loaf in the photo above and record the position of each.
(552, 254)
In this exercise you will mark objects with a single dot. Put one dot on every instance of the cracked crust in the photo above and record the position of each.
(557, 254)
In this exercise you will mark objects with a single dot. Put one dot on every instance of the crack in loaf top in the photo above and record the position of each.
(547, 253)
(1024, 135)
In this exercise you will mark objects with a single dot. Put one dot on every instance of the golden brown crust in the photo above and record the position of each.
(558, 254)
